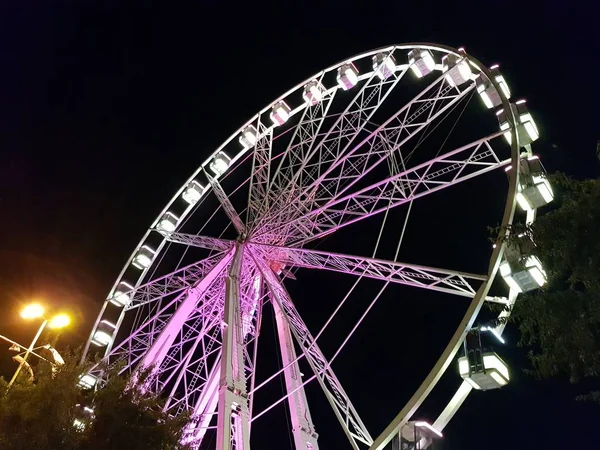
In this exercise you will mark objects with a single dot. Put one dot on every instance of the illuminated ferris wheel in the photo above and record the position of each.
(356, 142)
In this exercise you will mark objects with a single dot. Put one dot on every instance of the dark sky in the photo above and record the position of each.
(107, 107)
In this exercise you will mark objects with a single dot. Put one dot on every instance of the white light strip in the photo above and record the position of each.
(501, 381)
(493, 331)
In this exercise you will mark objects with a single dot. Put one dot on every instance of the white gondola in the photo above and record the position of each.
(384, 65)
(121, 296)
(168, 222)
(193, 192)
(521, 269)
(105, 332)
(347, 76)
(526, 128)
(87, 381)
(421, 62)
(535, 189)
(488, 92)
(416, 435)
(457, 70)
(220, 163)
(485, 372)
(143, 258)
(313, 92)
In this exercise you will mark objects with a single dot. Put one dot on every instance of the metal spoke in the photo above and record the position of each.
(442, 280)
(226, 204)
(464, 163)
(194, 240)
(261, 165)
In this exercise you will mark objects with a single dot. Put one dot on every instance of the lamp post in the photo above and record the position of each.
(35, 311)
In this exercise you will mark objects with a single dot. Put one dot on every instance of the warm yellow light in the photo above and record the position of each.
(32, 311)
(59, 321)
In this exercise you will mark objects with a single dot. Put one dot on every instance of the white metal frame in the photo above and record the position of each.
(308, 196)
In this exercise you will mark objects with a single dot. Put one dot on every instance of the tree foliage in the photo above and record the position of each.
(561, 323)
(41, 415)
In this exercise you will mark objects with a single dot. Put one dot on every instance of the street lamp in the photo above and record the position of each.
(32, 311)
(36, 311)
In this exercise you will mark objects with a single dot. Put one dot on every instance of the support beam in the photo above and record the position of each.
(455, 403)
(159, 349)
(204, 408)
(207, 242)
(233, 423)
(338, 399)
(305, 436)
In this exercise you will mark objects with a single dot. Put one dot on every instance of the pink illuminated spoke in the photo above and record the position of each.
(442, 280)
(175, 282)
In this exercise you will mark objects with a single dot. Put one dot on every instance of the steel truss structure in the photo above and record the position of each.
(334, 151)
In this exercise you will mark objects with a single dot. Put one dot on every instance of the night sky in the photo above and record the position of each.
(107, 107)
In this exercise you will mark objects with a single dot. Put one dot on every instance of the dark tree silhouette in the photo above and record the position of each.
(561, 322)
(49, 414)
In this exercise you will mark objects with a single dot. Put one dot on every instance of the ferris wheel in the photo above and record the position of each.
(351, 145)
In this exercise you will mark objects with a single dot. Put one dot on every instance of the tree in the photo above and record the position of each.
(42, 415)
(561, 323)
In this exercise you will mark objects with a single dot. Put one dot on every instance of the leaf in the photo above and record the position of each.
(40, 415)
(560, 324)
